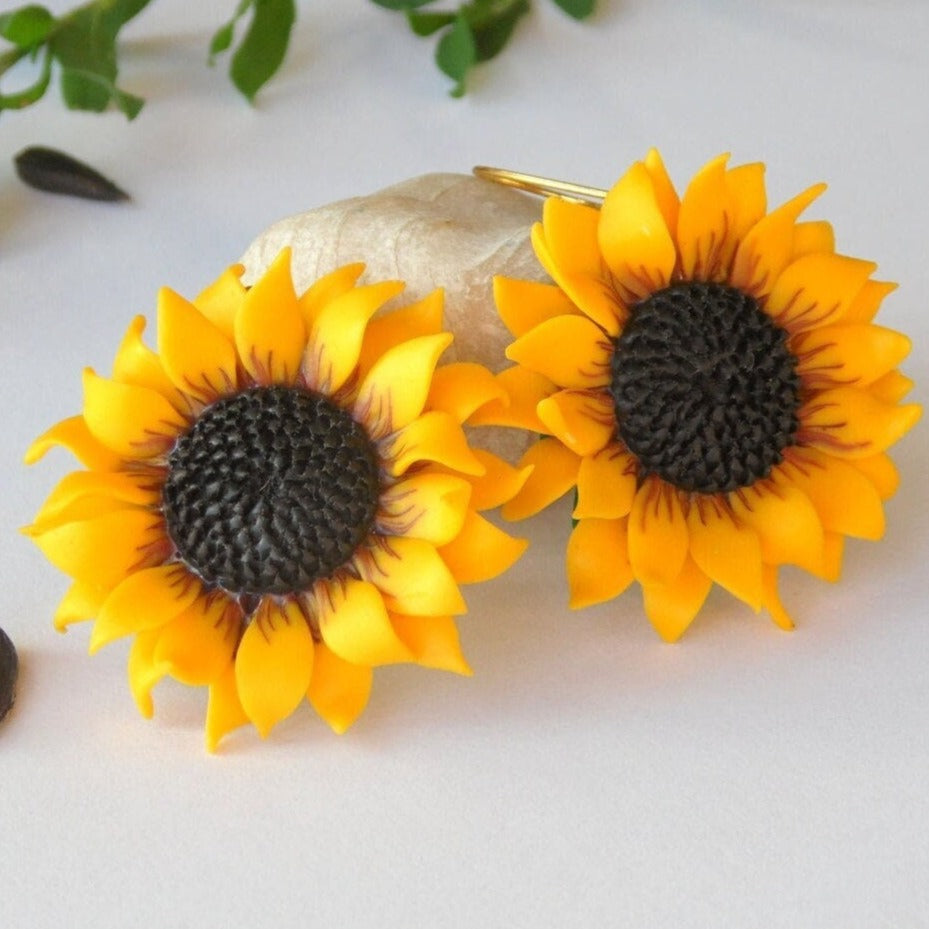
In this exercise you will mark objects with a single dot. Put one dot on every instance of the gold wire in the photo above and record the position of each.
(541, 186)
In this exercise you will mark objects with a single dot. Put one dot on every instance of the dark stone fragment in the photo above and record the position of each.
(9, 668)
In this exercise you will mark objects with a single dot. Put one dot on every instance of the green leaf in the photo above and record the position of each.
(579, 9)
(87, 90)
(425, 24)
(264, 45)
(26, 27)
(492, 36)
(223, 36)
(29, 95)
(456, 53)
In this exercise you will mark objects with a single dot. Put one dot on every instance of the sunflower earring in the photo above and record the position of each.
(280, 499)
(706, 376)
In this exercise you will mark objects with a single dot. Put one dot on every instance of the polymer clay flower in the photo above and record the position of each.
(706, 374)
(279, 499)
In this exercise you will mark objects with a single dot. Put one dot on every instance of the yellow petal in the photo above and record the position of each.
(269, 332)
(125, 487)
(274, 664)
(658, 537)
(772, 602)
(570, 351)
(409, 322)
(73, 434)
(429, 506)
(856, 354)
(816, 290)
(597, 561)
(891, 388)
(481, 551)
(81, 602)
(786, 522)
(768, 246)
(665, 195)
(147, 599)
(830, 566)
(846, 501)
(727, 552)
(338, 330)
(137, 364)
(582, 420)
(749, 203)
(394, 391)
(198, 645)
(134, 422)
(523, 305)
(811, 237)
(224, 710)
(339, 690)
(881, 472)
(525, 390)
(868, 301)
(434, 436)
(323, 291)
(704, 223)
(634, 237)
(354, 623)
(851, 423)
(554, 473)
(103, 550)
(197, 356)
(143, 671)
(606, 484)
(461, 388)
(499, 482)
(571, 235)
(221, 301)
(433, 642)
(672, 607)
(413, 579)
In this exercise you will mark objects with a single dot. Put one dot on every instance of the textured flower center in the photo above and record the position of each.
(270, 490)
(704, 388)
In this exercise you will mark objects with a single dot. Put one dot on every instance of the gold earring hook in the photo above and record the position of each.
(541, 186)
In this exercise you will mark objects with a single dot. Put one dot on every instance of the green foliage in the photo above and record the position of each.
(82, 45)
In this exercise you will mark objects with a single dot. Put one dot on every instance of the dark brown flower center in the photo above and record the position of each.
(270, 490)
(704, 388)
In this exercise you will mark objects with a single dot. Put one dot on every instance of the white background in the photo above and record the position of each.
(588, 775)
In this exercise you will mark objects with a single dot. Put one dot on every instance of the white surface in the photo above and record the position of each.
(587, 775)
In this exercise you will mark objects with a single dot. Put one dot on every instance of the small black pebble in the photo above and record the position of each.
(53, 171)
(9, 667)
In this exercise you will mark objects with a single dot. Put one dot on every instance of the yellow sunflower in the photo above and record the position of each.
(279, 499)
(706, 374)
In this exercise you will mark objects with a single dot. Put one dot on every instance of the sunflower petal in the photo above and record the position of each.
(525, 390)
(812, 237)
(134, 422)
(571, 235)
(80, 603)
(326, 289)
(582, 420)
(830, 565)
(103, 550)
(461, 388)
(354, 623)
(772, 601)
(433, 642)
(427, 506)
(224, 709)
(413, 579)
(199, 644)
(852, 354)
(274, 664)
(481, 551)
(499, 482)
(338, 331)
(768, 246)
(144, 671)
(665, 195)
(597, 561)
(394, 391)
(147, 599)
(125, 487)
(749, 202)
(73, 434)
(868, 301)
(339, 690)
(606, 484)
(555, 470)
(221, 301)
(851, 423)
(570, 351)
(634, 237)
(881, 472)
(197, 357)
(658, 537)
(523, 305)
(137, 364)
(726, 552)
(705, 219)
(408, 322)
(672, 607)
(269, 331)
(891, 388)
(434, 436)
